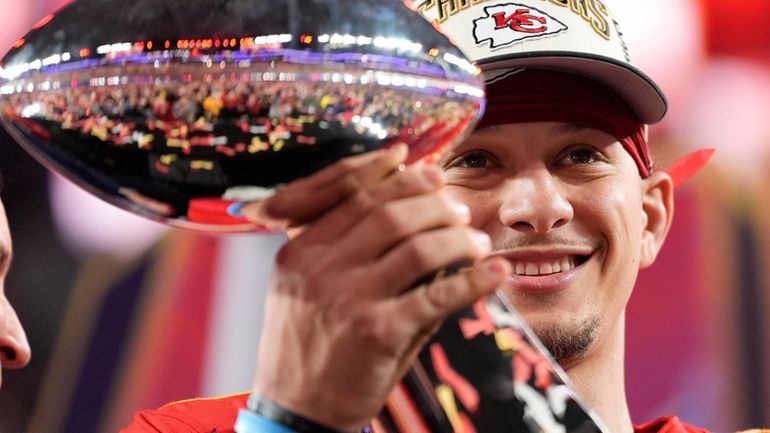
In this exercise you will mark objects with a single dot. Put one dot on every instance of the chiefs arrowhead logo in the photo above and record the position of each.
(507, 23)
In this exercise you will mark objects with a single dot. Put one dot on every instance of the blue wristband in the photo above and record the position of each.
(284, 417)
(250, 422)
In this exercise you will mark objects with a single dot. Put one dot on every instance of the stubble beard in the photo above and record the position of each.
(568, 342)
(567, 339)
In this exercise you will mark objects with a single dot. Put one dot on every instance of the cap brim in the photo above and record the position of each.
(641, 93)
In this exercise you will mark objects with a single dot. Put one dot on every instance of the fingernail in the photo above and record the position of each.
(482, 240)
(433, 175)
(400, 149)
(257, 212)
(235, 209)
(495, 267)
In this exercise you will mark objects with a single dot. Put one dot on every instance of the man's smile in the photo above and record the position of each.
(545, 269)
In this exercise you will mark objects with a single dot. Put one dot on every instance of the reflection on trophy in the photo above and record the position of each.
(252, 98)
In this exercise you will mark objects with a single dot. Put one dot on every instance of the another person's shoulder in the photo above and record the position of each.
(667, 424)
(199, 415)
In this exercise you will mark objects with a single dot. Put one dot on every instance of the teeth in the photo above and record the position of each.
(521, 269)
(545, 268)
(532, 269)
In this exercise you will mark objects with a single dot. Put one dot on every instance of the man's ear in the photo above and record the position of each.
(658, 213)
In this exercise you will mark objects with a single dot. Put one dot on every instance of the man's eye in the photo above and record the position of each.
(473, 160)
(580, 156)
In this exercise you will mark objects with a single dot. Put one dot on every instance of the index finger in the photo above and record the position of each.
(306, 199)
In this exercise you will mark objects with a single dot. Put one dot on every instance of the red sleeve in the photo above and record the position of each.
(668, 424)
(201, 415)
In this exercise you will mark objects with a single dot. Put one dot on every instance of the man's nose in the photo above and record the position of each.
(14, 348)
(535, 202)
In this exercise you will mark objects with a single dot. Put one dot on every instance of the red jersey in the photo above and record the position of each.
(667, 424)
(217, 415)
(199, 415)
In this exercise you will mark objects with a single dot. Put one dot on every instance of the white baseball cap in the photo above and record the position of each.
(575, 36)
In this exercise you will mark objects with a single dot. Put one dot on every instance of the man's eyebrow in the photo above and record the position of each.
(571, 128)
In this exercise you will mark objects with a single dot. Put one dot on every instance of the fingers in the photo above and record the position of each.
(337, 222)
(425, 254)
(305, 199)
(396, 220)
(426, 305)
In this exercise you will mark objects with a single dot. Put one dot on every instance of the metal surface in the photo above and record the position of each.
(176, 110)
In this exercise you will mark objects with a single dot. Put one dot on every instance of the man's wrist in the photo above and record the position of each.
(282, 419)
(250, 422)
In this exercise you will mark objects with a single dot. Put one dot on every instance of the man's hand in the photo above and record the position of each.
(305, 199)
(343, 319)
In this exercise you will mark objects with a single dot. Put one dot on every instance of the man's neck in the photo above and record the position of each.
(599, 377)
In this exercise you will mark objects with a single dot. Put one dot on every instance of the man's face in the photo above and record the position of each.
(14, 349)
(564, 205)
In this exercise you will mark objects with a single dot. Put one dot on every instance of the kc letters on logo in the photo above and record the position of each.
(507, 23)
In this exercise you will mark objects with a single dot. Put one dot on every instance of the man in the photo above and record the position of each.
(14, 349)
(554, 197)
